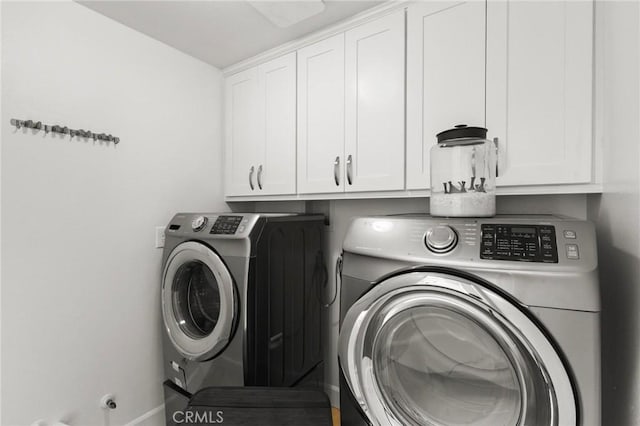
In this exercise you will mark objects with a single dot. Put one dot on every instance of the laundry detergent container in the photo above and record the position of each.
(463, 173)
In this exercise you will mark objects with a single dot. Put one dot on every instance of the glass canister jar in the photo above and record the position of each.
(463, 173)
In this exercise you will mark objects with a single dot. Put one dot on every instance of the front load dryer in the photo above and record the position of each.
(241, 302)
(470, 322)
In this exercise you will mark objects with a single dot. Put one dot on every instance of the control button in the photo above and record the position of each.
(572, 251)
(241, 228)
(488, 234)
(198, 223)
(503, 243)
(546, 230)
(517, 245)
(441, 239)
(570, 234)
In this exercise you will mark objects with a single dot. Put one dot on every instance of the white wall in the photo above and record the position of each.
(617, 212)
(341, 212)
(80, 274)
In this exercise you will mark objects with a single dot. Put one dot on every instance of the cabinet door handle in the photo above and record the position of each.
(260, 176)
(499, 166)
(251, 177)
(495, 142)
(349, 166)
(336, 170)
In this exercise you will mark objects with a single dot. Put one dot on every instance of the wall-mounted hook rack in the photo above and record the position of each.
(87, 134)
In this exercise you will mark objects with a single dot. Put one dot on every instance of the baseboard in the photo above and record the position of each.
(333, 392)
(152, 417)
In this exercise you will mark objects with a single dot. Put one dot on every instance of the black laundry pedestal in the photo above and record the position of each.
(264, 406)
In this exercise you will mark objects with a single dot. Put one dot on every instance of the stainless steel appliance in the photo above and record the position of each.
(470, 321)
(240, 302)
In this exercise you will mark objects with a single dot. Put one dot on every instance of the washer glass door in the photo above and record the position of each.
(425, 348)
(199, 303)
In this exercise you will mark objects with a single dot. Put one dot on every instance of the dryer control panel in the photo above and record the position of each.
(529, 243)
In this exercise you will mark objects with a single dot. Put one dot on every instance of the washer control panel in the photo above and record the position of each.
(505, 242)
(226, 225)
(529, 243)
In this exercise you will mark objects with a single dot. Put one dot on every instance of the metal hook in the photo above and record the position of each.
(38, 125)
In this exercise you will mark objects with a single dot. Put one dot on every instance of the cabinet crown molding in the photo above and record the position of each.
(342, 26)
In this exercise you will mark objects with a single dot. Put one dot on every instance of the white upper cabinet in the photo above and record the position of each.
(260, 129)
(243, 116)
(321, 116)
(277, 172)
(351, 110)
(374, 119)
(539, 90)
(445, 77)
(355, 110)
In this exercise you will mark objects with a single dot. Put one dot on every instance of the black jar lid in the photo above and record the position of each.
(461, 131)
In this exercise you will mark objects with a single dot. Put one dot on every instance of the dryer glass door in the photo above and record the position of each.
(199, 303)
(425, 348)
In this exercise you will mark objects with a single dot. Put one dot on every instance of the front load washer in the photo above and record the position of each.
(240, 301)
(470, 322)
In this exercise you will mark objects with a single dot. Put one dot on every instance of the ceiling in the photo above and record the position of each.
(220, 33)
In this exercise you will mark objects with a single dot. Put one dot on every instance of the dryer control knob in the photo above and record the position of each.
(441, 239)
(199, 223)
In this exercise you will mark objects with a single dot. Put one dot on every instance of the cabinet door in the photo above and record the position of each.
(321, 116)
(374, 120)
(539, 89)
(445, 77)
(276, 174)
(244, 134)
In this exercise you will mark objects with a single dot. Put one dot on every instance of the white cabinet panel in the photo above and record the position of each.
(260, 138)
(321, 116)
(374, 120)
(277, 172)
(539, 90)
(445, 77)
(243, 131)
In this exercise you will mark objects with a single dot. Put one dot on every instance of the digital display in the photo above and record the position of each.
(523, 230)
(229, 219)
